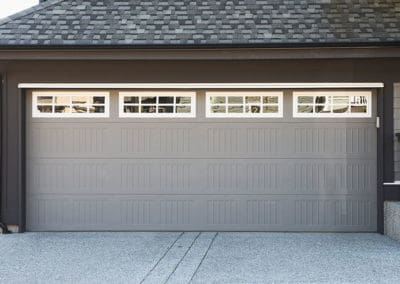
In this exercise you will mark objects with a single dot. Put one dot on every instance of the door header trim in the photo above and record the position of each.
(198, 85)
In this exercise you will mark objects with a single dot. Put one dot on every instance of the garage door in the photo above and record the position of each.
(232, 160)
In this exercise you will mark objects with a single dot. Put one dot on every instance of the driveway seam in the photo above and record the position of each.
(183, 257)
(202, 259)
(161, 258)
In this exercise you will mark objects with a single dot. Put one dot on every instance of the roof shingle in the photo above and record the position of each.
(209, 22)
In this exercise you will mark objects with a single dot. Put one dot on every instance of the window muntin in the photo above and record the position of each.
(244, 104)
(157, 104)
(332, 104)
(70, 104)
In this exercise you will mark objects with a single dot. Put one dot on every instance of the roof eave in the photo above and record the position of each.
(225, 52)
(355, 44)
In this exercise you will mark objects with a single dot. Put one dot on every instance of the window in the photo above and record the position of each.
(70, 104)
(157, 104)
(244, 104)
(332, 104)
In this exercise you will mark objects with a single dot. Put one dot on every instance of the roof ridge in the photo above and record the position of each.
(28, 11)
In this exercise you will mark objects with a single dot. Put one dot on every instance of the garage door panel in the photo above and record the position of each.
(56, 139)
(264, 174)
(335, 140)
(195, 140)
(235, 212)
(202, 176)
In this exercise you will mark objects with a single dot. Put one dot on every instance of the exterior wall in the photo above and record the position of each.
(396, 124)
(392, 220)
(332, 70)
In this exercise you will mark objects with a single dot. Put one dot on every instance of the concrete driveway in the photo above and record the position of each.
(198, 258)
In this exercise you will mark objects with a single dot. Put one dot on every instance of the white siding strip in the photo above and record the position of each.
(199, 85)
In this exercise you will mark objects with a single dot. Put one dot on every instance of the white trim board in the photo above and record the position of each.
(198, 85)
(392, 183)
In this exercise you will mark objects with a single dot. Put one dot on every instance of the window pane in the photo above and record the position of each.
(79, 99)
(218, 109)
(148, 109)
(358, 100)
(62, 100)
(131, 100)
(131, 109)
(359, 109)
(340, 100)
(79, 109)
(166, 109)
(340, 108)
(253, 109)
(183, 109)
(183, 100)
(235, 109)
(255, 99)
(96, 109)
(270, 100)
(148, 100)
(217, 100)
(45, 109)
(270, 109)
(323, 108)
(97, 100)
(62, 109)
(321, 100)
(235, 100)
(166, 100)
(305, 100)
(305, 109)
(45, 100)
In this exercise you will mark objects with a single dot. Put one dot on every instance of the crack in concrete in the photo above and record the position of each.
(202, 259)
(183, 257)
(162, 257)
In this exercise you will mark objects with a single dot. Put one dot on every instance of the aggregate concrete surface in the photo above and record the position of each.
(194, 257)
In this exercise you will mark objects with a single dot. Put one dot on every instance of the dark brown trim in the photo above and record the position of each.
(255, 53)
(13, 115)
(1, 142)
(380, 162)
(388, 150)
(3, 226)
(391, 192)
(22, 163)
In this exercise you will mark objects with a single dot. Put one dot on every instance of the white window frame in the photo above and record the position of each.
(191, 94)
(244, 94)
(313, 93)
(37, 114)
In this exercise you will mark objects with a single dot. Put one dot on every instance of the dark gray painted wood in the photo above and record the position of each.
(396, 126)
(388, 132)
(392, 192)
(339, 70)
(380, 162)
(1, 146)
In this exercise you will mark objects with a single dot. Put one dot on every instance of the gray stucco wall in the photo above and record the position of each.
(396, 114)
(392, 220)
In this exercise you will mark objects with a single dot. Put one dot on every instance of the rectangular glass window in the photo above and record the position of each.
(244, 104)
(332, 104)
(157, 104)
(70, 104)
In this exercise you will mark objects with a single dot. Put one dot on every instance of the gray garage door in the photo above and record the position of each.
(261, 174)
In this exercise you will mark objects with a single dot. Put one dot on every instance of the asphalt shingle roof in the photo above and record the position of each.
(209, 22)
